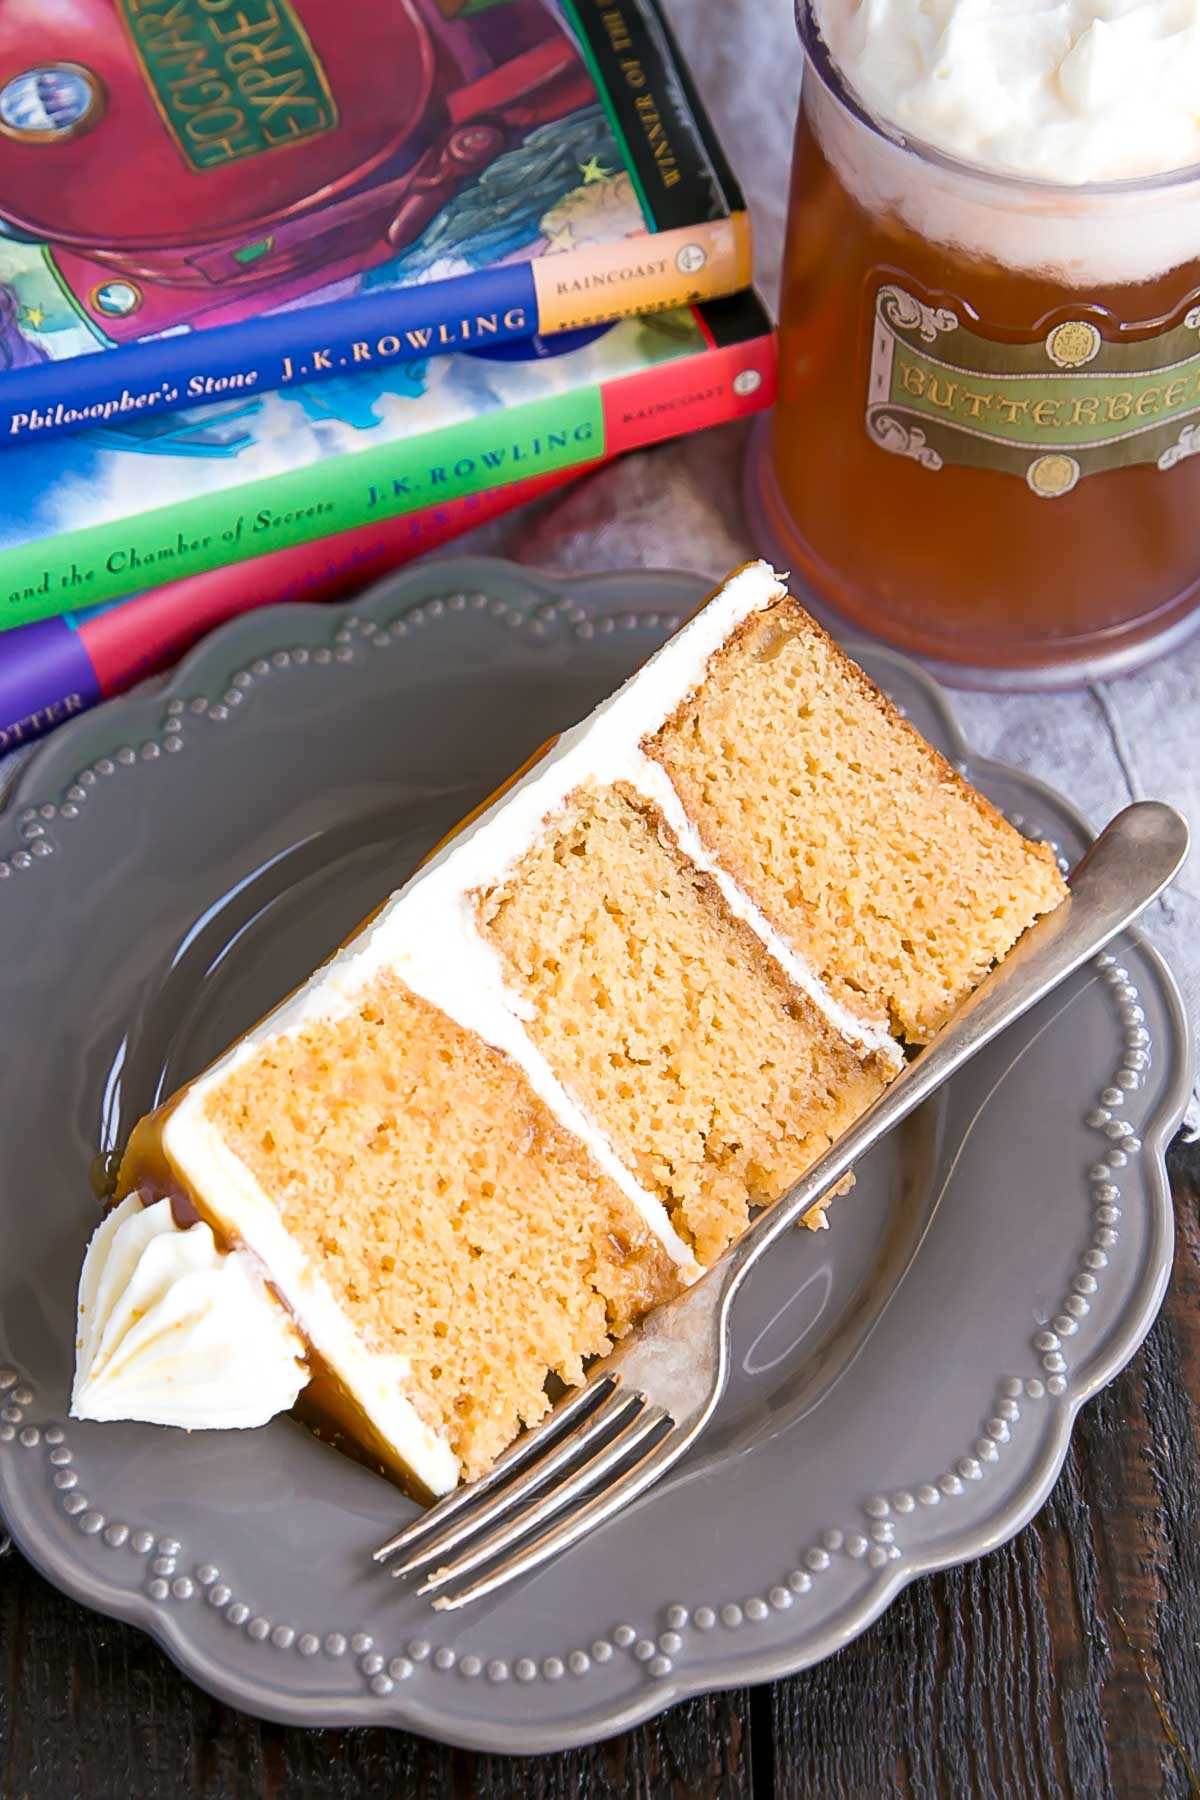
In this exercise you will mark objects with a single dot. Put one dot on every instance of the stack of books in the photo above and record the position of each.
(291, 291)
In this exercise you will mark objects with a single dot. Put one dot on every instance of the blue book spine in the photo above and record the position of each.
(302, 344)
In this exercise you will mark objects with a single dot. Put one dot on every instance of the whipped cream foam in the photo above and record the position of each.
(1068, 92)
(1062, 90)
(174, 1331)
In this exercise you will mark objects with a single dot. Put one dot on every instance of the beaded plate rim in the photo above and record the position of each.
(894, 1569)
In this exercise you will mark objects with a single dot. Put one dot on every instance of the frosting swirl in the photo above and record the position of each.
(175, 1331)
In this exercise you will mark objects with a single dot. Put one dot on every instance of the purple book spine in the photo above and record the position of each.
(46, 676)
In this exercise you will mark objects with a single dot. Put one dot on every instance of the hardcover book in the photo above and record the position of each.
(142, 501)
(222, 197)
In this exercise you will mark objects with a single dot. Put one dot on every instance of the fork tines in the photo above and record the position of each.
(602, 1436)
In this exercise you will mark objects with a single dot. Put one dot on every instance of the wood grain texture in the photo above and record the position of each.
(1065, 1664)
(90, 1709)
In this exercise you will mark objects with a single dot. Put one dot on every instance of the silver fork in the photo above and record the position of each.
(649, 1400)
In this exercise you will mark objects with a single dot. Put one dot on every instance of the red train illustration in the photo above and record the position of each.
(187, 162)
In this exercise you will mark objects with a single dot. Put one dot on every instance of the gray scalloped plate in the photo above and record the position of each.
(904, 1384)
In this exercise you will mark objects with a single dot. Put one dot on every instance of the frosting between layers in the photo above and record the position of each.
(654, 784)
(375, 1378)
(426, 934)
(176, 1332)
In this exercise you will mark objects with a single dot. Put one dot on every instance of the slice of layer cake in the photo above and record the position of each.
(544, 1086)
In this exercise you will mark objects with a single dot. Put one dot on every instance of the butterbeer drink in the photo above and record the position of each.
(987, 442)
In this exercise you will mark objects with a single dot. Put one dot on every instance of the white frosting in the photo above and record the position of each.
(176, 1332)
(426, 935)
(1068, 92)
(652, 781)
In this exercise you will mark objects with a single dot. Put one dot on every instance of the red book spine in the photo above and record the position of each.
(54, 668)
(724, 383)
(149, 630)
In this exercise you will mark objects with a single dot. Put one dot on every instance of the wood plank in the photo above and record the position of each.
(90, 1709)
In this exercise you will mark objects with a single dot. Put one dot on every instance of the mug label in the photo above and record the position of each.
(1050, 412)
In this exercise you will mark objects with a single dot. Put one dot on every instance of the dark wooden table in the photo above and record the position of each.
(1067, 1662)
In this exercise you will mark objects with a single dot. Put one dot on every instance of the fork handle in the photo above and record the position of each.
(1127, 867)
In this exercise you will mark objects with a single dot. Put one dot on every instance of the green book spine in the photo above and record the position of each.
(106, 562)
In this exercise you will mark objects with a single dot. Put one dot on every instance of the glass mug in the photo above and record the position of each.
(985, 447)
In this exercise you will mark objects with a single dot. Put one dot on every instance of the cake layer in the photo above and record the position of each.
(715, 1079)
(543, 1085)
(456, 1224)
(867, 852)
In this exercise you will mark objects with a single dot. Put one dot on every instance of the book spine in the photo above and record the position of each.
(726, 382)
(55, 668)
(561, 432)
(589, 285)
(666, 139)
(46, 677)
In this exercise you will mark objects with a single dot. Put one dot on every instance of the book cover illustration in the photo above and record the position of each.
(166, 167)
(137, 465)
